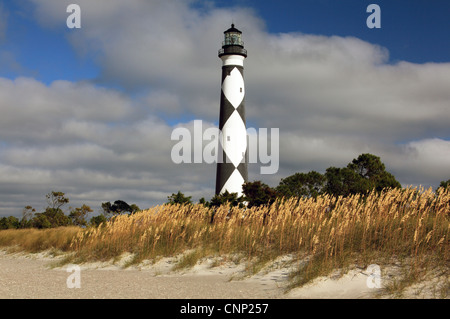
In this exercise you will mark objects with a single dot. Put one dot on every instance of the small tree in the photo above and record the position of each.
(53, 216)
(40, 221)
(445, 184)
(334, 182)
(97, 220)
(204, 202)
(119, 207)
(226, 197)
(363, 174)
(56, 200)
(10, 222)
(27, 216)
(257, 194)
(56, 217)
(373, 173)
(78, 215)
(135, 208)
(302, 185)
(179, 198)
(107, 208)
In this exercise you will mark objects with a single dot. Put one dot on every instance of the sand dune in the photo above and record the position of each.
(32, 276)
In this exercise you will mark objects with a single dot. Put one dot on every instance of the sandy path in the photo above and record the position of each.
(25, 276)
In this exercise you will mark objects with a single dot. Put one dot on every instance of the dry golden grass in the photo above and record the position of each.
(34, 240)
(401, 224)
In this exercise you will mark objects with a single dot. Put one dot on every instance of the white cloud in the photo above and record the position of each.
(33, 112)
(426, 160)
(333, 98)
(85, 141)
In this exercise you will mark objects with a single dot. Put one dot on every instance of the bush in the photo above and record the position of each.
(257, 194)
(10, 222)
(97, 220)
(179, 198)
(226, 197)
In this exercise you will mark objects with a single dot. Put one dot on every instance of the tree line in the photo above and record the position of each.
(54, 216)
(361, 176)
(364, 174)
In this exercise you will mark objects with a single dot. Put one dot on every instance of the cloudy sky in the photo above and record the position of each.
(90, 111)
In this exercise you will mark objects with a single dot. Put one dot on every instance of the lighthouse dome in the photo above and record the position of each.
(233, 44)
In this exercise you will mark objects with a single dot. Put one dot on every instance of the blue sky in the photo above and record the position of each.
(90, 111)
(42, 52)
(412, 30)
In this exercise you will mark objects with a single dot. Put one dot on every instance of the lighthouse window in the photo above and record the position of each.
(241, 90)
(228, 138)
(233, 39)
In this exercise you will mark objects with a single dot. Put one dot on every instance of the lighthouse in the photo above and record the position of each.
(232, 167)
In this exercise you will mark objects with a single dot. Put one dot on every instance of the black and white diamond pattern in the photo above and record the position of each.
(232, 173)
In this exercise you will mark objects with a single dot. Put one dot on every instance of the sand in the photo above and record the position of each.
(33, 276)
(24, 276)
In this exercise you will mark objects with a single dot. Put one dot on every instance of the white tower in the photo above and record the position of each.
(232, 170)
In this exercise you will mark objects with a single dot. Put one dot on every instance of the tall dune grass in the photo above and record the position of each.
(34, 240)
(404, 224)
(332, 232)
